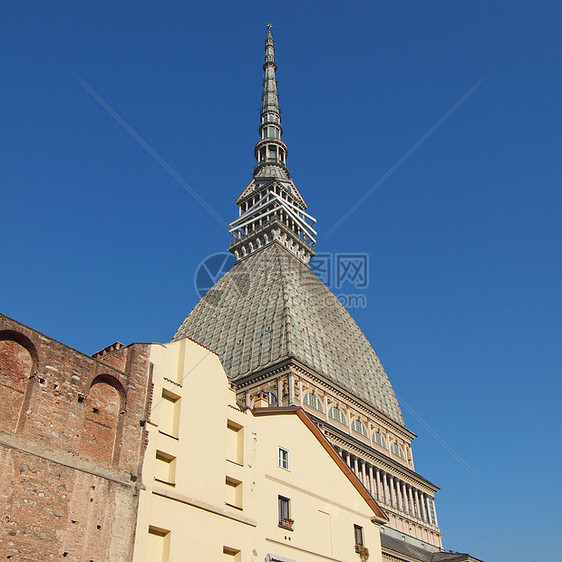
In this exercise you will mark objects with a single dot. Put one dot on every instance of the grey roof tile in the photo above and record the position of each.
(277, 308)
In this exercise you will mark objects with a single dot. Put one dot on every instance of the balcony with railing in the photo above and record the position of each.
(286, 523)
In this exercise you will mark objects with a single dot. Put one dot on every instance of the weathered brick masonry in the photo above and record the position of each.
(72, 440)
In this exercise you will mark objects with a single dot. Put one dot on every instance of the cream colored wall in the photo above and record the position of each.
(324, 504)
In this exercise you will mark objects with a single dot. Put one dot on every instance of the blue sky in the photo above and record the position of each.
(101, 243)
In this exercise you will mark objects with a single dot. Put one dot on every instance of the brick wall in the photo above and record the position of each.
(71, 447)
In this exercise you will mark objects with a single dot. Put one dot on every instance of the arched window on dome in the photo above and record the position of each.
(271, 398)
(359, 427)
(378, 438)
(336, 414)
(397, 450)
(312, 401)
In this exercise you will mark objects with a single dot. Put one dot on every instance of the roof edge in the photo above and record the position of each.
(380, 517)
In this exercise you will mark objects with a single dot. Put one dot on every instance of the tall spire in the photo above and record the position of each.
(271, 208)
(270, 150)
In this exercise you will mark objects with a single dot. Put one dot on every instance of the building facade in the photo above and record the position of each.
(71, 447)
(225, 482)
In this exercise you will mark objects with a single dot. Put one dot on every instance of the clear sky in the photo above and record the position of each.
(101, 242)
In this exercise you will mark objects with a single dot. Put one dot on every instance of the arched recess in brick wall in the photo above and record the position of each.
(18, 363)
(103, 419)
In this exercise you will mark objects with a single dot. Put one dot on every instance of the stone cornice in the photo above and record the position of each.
(300, 368)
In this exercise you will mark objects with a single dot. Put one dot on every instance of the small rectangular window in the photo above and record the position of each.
(272, 151)
(232, 554)
(285, 520)
(169, 413)
(233, 492)
(165, 468)
(234, 442)
(358, 530)
(158, 544)
(283, 459)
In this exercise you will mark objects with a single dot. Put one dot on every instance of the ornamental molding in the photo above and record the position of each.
(354, 403)
(293, 366)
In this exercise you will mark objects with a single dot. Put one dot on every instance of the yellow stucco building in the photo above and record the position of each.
(221, 482)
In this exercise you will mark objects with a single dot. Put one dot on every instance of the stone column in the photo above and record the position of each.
(380, 492)
(279, 392)
(423, 514)
(364, 473)
(427, 508)
(404, 498)
(398, 494)
(386, 488)
(417, 510)
(412, 512)
(372, 482)
(392, 492)
(424, 507)
(291, 380)
(356, 467)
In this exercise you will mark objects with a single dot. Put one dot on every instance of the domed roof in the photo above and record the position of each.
(269, 307)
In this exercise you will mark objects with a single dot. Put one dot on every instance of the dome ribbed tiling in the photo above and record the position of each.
(270, 307)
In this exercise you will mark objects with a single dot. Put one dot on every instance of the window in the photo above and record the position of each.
(397, 450)
(336, 414)
(158, 544)
(234, 442)
(378, 438)
(271, 398)
(432, 516)
(283, 458)
(362, 550)
(231, 554)
(358, 427)
(271, 152)
(169, 413)
(285, 520)
(233, 492)
(358, 531)
(165, 468)
(312, 401)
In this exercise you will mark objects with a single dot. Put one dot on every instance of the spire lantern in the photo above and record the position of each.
(271, 208)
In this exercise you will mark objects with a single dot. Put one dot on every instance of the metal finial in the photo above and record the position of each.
(269, 26)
